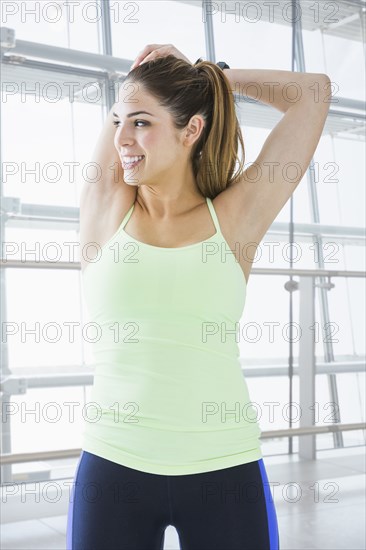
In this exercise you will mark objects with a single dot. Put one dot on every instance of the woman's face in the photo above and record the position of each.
(149, 133)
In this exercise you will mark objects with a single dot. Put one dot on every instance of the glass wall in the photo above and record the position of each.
(50, 134)
(74, 25)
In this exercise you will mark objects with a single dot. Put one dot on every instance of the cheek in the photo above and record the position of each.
(162, 143)
(149, 141)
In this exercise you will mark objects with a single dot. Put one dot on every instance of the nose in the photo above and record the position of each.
(124, 134)
(122, 137)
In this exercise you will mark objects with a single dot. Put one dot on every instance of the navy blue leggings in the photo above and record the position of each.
(113, 507)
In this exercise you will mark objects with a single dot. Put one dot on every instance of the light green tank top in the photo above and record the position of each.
(169, 396)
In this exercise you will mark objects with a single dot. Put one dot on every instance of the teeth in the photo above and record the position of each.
(132, 159)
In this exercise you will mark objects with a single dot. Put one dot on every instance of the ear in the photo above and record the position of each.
(193, 130)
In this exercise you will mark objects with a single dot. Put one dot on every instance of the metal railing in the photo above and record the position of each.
(16, 458)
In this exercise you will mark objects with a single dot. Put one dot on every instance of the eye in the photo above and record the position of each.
(117, 122)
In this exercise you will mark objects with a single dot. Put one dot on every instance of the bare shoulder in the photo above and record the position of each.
(101, 213)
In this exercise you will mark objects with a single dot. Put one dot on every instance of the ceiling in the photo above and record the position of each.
(337, 18)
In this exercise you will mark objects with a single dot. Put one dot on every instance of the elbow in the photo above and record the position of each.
(320, 80)
(325, 86)
(319, 77)
(323, 80)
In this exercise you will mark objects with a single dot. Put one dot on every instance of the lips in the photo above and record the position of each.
(127, 165)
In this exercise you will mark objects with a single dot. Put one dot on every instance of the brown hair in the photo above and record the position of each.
(186, 90)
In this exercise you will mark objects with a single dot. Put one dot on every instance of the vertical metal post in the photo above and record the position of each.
(106, 30)
(318, 244)
(106, 27)
(209, 34)
(6, 469)
(307, 447)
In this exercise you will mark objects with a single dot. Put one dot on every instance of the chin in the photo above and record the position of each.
(132, 183)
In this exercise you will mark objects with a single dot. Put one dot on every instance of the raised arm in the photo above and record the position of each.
(106, 157)
(256, 198)
(106, 199)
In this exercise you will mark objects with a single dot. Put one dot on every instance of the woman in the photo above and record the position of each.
(174, 439)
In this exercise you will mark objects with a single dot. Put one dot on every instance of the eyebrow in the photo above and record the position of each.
(135, 113)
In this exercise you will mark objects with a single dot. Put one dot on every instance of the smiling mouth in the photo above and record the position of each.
(128, 165)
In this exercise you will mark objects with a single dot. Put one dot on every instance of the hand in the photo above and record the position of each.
(153, 51)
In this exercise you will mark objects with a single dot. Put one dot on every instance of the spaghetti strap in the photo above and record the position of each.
(213, 214)
(209, 204)
(127, 216)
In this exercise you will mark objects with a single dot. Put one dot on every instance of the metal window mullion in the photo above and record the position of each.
(306, 368)
(106, 27)
(5, 437)
(209, 34)
(66, 56)
(50, 66)
(107, 50)
(324, 309)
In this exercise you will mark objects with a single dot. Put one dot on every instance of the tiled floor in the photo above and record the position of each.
(320, 505)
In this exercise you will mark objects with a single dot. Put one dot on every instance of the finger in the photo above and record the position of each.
(143, 53)
(148, 52)
(138, 60)
(141, 60)
(150, 57)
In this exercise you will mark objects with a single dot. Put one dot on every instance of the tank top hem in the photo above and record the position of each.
(173, 469)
